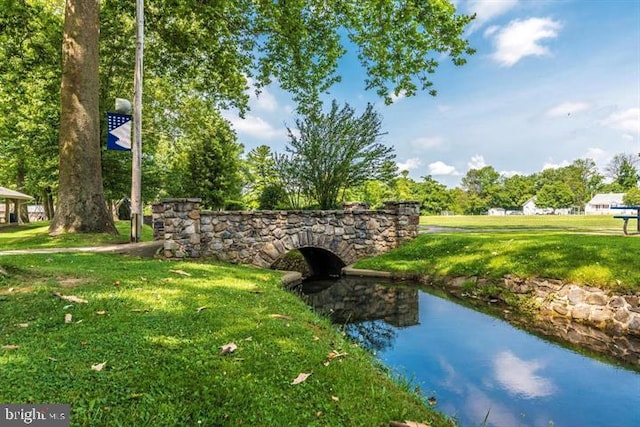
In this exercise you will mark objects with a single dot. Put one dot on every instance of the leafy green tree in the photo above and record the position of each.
(623, 171)
(336, 151)
(30, 39)
(481, 185)
(373, 192)
(207, 160)
(208, 49)
(260, 175)
(435, 197)
(632, 197)
(513, 192)
(557, 195)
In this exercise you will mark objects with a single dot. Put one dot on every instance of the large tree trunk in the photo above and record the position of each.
(81, 205)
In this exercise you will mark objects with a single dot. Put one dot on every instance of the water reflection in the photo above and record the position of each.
(520, 377)
(482, 370)
(368, 311)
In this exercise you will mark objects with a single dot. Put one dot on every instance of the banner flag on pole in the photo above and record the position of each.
(119, 131)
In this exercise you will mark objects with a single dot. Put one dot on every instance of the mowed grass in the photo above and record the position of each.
(604, 223)
(156, 328)
(36, 235)
(606, 261)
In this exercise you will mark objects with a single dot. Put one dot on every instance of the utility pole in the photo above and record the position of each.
(136, 147)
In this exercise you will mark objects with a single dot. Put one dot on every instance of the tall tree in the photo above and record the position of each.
(481, 185)
(209, 49)
(30, 39)
(81, 205)
(338, 150)
(623, 171)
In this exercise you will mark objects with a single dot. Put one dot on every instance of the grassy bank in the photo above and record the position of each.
(144, 349)
(606, 261)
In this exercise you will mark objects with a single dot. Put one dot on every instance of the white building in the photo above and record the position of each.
(497, 212)
(601, 204)
(530, 208)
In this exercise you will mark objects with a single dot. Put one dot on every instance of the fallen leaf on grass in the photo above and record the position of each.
(228, 348)
(67, 318)
(10, 290)
(181, 272)
(140, 310)
(280, 316)
(335, 398)
(52, 359)
(23, 325)
(116, 283)
(300, 378)
(10, 347)
(71, 298)
(316, 338)
(334, 354)
(407, 424)
(101, 312)
(98, 367)
(199, 309)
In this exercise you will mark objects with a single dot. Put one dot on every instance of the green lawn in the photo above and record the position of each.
(561, 222)
(607, 261)
(36, 235)
(156, 328)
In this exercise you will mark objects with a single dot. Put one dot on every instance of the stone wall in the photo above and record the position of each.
(593, 318)
(262, 237)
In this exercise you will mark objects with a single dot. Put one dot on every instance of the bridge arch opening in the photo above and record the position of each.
(319, 262)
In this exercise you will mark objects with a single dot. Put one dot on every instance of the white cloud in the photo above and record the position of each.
(265, 101)
(598, 155)
(399, 96)
(476, 162)
(520, 39)
(520, 377)
(491, 30)
(627, 121)
(427, 142)
(255, 126)
(441, 168)
(567, 108)
(486, 10)
(550, 165)
(413, 163)
(509, 174)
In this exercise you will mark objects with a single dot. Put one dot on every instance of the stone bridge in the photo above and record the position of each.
(328, 239)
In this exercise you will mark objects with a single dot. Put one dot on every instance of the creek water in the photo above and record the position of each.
(478, 369)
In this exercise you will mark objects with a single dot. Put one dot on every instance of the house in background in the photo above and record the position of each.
(530, 208)
(601, 204)
(497, 212)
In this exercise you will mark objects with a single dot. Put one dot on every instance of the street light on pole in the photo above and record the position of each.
(136, 146)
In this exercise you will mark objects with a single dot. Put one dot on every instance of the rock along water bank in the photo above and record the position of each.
(588, 317)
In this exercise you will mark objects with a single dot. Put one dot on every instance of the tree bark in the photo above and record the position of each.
(81, 204)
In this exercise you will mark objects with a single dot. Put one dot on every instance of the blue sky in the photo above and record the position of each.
(551, 81)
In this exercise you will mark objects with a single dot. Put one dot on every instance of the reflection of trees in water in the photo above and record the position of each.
(373, 335)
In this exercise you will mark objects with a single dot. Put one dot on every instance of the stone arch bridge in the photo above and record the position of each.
(328, 239)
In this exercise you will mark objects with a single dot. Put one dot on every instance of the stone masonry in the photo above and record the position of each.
(262, 237)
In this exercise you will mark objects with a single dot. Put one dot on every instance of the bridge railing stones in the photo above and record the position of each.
(262, 237)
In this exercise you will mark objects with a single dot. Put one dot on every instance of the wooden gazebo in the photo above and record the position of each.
(15, 197)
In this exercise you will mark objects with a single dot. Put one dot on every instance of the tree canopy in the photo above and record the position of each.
(337, 150)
